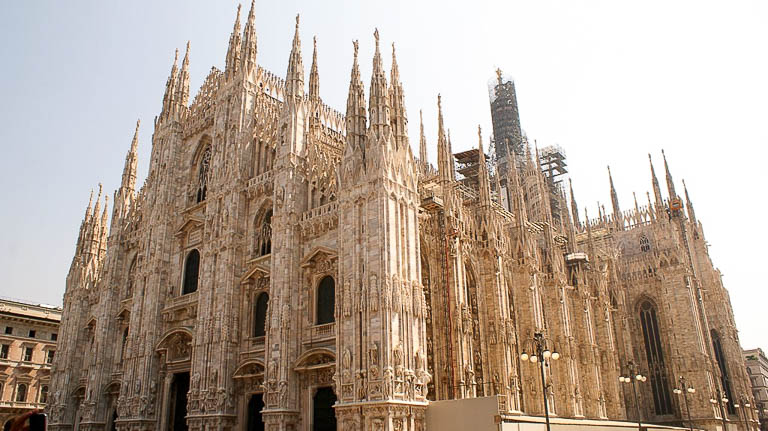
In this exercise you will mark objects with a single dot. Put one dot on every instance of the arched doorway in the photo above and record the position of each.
(323, 415)
(255, 405)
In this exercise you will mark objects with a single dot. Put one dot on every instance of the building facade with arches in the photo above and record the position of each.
(288, 267)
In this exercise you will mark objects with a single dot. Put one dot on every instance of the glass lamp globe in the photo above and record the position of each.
(546, 354)
(555, 355)
(677, 391)
(534, 358)
(691, 390)
(524, 356)
(747, 405)
(639, 377)
(736, 405)
(645, 378)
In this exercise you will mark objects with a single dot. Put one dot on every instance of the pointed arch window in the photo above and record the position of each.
(191, 272)
(662, 402)
(725, 379)
(21, 393)
(260, 315)
(131, 278)
(123, 344)
(474, 311)
(262, 243)
(326, 300)
(645, 245)
(203, 174)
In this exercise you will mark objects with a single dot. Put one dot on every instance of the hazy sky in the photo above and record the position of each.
(609, 81)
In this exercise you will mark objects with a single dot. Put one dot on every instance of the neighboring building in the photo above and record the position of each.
(289, 266)
(757, 368)
(28, 334)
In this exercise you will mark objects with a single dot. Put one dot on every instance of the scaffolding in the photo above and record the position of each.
(505, 116)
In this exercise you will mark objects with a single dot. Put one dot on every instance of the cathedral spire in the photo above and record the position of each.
(574, 206)
(397, 102)
(182, 87)
(484, 183)
(170, 86)
(422, 143)
(356, 109)
(656, 188)
(131, 160)
(444, 164)
(294, 77)
(689, 204)
(378, 103)
(249, 48)
(314, 77)
(615, 202)
(637, 207)
(670, 182)
(233, 51)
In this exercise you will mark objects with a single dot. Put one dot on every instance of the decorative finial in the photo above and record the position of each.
(314, 42)
(439, 105)
(176, 56)
(297, 21)
(356, 45)
(498, 74)
(376, 36)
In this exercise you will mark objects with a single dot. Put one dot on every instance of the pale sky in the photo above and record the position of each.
(609, 81)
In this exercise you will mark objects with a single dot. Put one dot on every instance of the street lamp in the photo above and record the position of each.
(633, 376)
(744, 406)
(721, 401)
(686, 389)
(542, 351)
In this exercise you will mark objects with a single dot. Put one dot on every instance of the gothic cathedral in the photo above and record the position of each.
(288, 267)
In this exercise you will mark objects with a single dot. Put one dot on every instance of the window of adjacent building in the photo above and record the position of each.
(191, 272)
(260, 315)
(43, 395)
(28, 354)
(326, 300)
(9, 330)
(4, 351)
(21, 393)
(54, 336)
(49, 356)
(32, 333)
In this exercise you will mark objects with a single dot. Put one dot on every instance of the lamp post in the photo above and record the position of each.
(542, 351)
(721, 401)
(686, 389)
(761, 411)
(633, 376)
(744, 406)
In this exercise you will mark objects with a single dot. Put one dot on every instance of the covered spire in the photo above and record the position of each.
(614, 201)
(397, 101)
(574, 206)
(314, 77)
(656, 188)
(131, 161)
(670, 182)
(484, 183)
(182, 87)
(89, 208)
(356, 109)
(233, 51)
(422, 143)
(444, 165)
(249, 48)
(378, 103)
(294, 78)
(689, 204)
